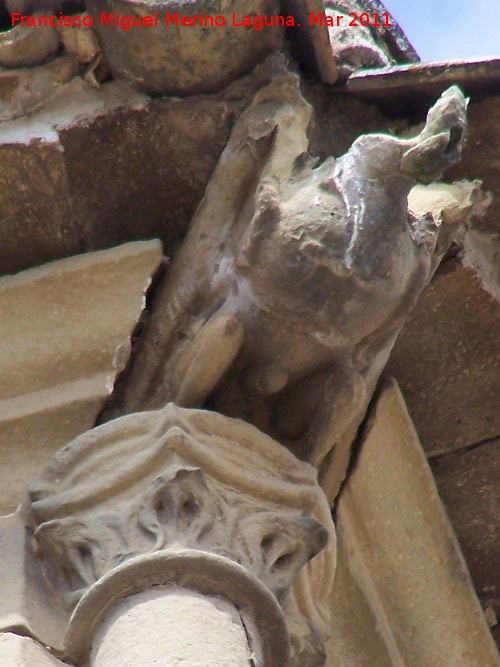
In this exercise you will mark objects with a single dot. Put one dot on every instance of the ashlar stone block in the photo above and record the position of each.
(401, 575)
(65, 329)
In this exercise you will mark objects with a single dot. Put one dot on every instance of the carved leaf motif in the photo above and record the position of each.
(177, 479)
(177, 508)
(70, 555)
(279, 544)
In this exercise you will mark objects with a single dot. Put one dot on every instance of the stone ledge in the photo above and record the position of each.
(66, 335)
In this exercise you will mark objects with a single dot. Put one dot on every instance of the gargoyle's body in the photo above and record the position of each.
(344, 275)
(304, 275)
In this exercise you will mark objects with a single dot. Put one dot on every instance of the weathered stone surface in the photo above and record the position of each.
(390, 36)
(80, 42)
(27, 46)
(65, 332)
(189, 59)
(18, 651)
(429, 77)
(23, 602)
(24, 90)
(447, 361)
(112, 165)
(482, 238)
(173, 622)
(401, 577)
(468, 483)
(299, 363)
(353, 47)
(337, 121)
(480, 157)
(357, 632)
(407, 90)
(106, 166)
(455, 207)
(185, 497)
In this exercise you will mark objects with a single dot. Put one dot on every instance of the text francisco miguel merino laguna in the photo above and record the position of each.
(125, 22)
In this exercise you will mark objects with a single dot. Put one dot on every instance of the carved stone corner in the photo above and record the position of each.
(193, 500)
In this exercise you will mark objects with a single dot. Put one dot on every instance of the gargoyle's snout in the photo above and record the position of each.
(440, 143)
(448, 115)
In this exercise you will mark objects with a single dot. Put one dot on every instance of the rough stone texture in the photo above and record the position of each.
(155, 483)
(480, 160)
(468, 483)
(410, 88)
(112, 165)
(337, 120)
(18, 651)
(354, 47)
(171, 626)
(300, 364)
(24, 90)
(409, 91)
(447, 361)
(106, 166)
(480, 156)
(25, 46)
(402, 577)
(72, 320)
(391, 36)
(185, 59)
(310, 44)
(23, 599)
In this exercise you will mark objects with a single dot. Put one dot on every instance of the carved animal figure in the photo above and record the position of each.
(305, 274)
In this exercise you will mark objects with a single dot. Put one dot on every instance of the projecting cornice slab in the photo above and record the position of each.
(65, 329)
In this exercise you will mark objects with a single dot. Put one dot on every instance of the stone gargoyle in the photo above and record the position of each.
(285, 299)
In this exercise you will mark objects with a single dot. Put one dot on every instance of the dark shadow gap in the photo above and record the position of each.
(5, 20)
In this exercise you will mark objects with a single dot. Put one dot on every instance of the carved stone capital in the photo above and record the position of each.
(194, 499)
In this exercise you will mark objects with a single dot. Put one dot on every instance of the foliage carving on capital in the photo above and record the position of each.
(181, 479)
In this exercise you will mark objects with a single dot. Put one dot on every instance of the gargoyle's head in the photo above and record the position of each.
(439, 145)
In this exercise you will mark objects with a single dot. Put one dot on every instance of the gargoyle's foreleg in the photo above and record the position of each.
(342, 396)
(316, 413)
(206, 359)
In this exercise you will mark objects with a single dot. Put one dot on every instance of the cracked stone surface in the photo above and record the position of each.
(468, 484)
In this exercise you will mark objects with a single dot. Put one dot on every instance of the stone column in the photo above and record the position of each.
(171, 625)
(178, 606)
(183, 535)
